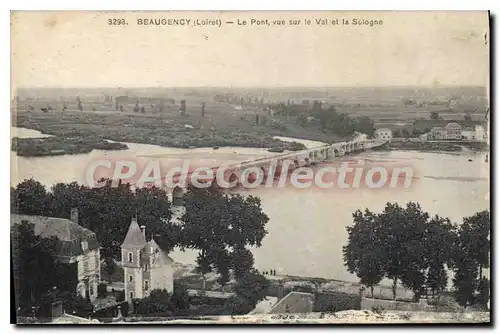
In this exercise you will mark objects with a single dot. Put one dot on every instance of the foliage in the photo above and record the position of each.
(361, 254)
(50, 146)
(180, 297)
(237, 305)
(158, 303)
(402, 244)
(434, 115)
(34, 268)
(336, 301)
(249, 290)
(106, 211)
(30, 198)
(484, 292)
(221, 226)
(439, 237)
(471, 250)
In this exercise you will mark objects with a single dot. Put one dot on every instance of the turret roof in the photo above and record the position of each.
(134, 237)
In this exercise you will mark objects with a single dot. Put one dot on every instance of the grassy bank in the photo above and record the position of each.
(425, 146)
(50, 146)
(169, 129)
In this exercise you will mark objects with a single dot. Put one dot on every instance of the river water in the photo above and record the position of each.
(307, 227)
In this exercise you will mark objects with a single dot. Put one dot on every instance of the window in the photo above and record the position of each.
(91, 289)
(146, 267)
(130, 278)
(131, 295)
(130, 257)
(146, 285)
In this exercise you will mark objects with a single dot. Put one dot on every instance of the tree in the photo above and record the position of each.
(30, 198)
(34, 268)
(484, 292)
(106, 211)
(237, 305)
(414, 249)
(249, 290)
(439, 238)
(365, 125)
(63, 197)
(362, 253)
(477, 244)
(465, 281)
(158, 303)
(221, 226)
(154, 209)
(471, 250)
(402, 235)
(434, 115)
(180, 297)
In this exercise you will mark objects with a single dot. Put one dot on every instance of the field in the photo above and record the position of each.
(230, 123)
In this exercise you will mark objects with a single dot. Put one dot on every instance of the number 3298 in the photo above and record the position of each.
(117, 22)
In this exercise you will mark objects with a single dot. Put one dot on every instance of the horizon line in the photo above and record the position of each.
(253, 87)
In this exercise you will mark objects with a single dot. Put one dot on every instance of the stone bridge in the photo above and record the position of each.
(296, 159)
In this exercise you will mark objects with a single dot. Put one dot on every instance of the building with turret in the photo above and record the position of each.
(145, 265)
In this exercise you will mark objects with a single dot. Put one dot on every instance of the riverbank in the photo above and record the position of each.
(426, 146)
(167, 130)
(52, 146)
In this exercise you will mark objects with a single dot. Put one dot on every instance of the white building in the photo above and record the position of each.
(469, 134)
(383, 133)
(145, 265)
(481, 133)
(478, 133)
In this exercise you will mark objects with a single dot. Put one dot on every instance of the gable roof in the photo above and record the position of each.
(134, 237)
(70, 235)
(160, 257)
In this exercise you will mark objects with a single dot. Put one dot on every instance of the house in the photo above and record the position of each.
(383, 133)
(146, 266)
(437, 133)
(469, 134)
(424, 137)
(453, 131)
(76, 246)
(481, 133)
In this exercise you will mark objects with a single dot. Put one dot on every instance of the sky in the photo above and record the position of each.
(80, 49)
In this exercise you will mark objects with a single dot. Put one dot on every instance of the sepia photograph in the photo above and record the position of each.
(250, 167)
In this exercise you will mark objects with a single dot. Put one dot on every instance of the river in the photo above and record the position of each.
(307, 227)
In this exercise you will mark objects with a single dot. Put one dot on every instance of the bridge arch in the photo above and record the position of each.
(232, 177)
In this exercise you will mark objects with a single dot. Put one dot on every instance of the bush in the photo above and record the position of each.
(336, 301)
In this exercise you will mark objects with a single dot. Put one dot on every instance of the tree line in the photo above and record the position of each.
(329, 119)
(220, 226)
(408, 246)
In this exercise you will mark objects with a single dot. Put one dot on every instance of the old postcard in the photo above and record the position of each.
(250, 167)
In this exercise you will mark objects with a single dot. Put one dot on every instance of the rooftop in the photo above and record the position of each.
(69, 233)
(134, 237)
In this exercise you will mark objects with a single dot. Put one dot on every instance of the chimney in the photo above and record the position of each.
(143, 230)
(74, 215)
